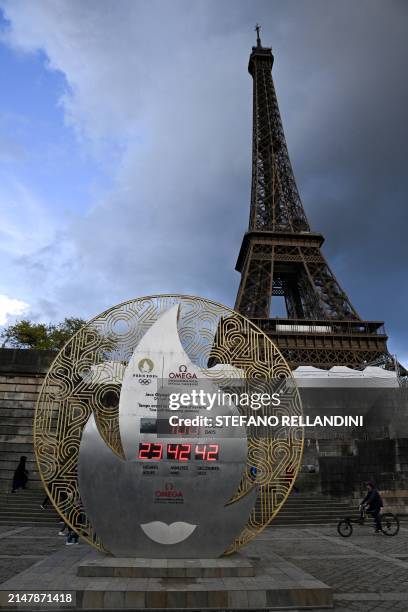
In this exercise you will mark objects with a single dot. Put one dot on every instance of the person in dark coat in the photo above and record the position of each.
(373, 504)
(20, 475)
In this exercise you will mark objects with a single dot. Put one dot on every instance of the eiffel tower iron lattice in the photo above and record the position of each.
(281, 256)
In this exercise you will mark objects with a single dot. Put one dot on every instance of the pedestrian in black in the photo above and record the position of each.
(373, 504)
(64, 527)
(73, 537)
(20, 475)
(45, 502)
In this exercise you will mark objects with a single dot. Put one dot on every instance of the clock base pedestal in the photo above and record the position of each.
(273, 583)
(234, 582)
(99, 565)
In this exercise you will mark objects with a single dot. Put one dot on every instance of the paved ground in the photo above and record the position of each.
(367, 572)
(21, 547)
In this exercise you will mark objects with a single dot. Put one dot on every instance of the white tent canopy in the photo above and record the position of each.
(342, 376)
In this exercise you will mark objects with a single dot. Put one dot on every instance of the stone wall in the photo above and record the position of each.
(336, 462)
(21, 375)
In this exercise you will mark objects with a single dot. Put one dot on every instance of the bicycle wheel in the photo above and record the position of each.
(389, 524)
(345, 528)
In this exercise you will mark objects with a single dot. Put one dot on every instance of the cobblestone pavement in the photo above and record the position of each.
(21, 547)
(367, 572)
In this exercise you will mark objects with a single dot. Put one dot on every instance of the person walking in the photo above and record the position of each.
(45, 502)
(373, 503)
(72, 537)
(64, 530)
(20, 477)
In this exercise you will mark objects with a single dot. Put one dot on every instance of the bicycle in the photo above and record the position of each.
(389, 524)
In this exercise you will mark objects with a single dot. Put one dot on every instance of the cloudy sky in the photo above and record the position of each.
(125, 147)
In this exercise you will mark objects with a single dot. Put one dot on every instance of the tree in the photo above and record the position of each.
(26, 334)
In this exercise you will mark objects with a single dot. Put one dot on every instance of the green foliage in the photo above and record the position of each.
(26, 334)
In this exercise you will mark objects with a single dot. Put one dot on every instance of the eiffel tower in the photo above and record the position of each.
(281, 256)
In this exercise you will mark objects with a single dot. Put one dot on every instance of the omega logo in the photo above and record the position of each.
(169, 491)
(183, 374)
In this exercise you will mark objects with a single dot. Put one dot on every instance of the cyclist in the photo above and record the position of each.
(372, 503)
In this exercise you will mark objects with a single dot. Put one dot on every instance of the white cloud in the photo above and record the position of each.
(164, 84)
(34, 250)
(27, 225)
(178, 148)
(10, 307)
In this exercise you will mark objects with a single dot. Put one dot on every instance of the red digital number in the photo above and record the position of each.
(144, 449)
(172, 451)
(184, 430)
(157, 452)
(184, 452)
(212, 453)
(206, 452)
(200, 451)
(149, 451)
(179, 452)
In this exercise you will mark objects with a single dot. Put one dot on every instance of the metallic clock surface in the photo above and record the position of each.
(124, 484)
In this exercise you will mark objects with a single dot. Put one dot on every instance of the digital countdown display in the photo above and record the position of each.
(163, 427)
(184, 430)
(156, 451)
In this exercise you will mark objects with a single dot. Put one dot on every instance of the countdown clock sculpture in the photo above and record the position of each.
(115, 467)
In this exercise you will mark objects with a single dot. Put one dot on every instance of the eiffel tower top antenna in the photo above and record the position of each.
(258, 38)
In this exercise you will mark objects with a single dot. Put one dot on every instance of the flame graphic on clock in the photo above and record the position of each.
(168, 496)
